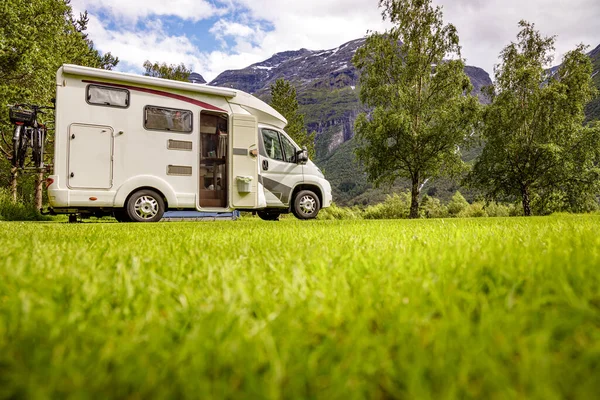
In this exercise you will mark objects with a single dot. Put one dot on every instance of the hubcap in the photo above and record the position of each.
(307, 204)
(146, 207)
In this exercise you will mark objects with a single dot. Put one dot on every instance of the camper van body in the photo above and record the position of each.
(196, 147)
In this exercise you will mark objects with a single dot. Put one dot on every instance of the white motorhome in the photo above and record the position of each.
(134, 146)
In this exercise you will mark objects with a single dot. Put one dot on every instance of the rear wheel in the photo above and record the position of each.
(22, 145)
(306, 205)
(268, 215)
(145, 206)
(16, 145)
(36, 155)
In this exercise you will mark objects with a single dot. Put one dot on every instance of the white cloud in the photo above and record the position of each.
(260, 28)
(134, 10)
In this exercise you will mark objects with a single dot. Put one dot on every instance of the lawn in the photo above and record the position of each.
(435, 309)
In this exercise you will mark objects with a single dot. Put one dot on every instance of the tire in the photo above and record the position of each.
(306, 205)
(16, 145)
(121, 215)
(36, 155)
(23, 144)
(145, 206)
(268, 215)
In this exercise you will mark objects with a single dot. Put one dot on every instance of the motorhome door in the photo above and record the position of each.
(90, 156)
(244, 176)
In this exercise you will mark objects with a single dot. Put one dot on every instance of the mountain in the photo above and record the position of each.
(196, 78)
(592, 110)
(326, 81)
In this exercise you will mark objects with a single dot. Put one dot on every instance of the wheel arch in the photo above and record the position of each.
(306, 186)
(146, 182)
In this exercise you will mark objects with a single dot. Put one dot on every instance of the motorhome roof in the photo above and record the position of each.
(147, 80)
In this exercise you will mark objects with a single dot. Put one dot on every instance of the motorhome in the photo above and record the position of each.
(135, 146)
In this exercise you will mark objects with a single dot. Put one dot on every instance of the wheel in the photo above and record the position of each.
(72, 218)
(16, 145)
(121, 215)
(36, 154)
(145, 206)
(23, 145)
(268, 215)
(306, 205)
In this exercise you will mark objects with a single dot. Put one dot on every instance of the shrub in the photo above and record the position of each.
(433, 208)
(396, 206)
(338, 213)
(494, 209)
(19, 211)
(475, 210)
(457, 204)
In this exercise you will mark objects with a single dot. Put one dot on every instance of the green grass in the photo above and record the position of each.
(482, 308)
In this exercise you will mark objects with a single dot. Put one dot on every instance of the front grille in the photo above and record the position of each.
(181, 170)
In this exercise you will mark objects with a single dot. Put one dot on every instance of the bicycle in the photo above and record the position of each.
(28, 133)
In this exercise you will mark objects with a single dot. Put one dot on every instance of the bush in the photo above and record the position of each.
(337, 213)
(494, 209)
(396, 206)
(432, 208)
(475, 210)
(457, 204)
(19, 211)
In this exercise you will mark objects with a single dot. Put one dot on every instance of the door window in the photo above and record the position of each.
(272, 144)
(288, 149)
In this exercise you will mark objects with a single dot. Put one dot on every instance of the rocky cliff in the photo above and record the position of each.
(326, 84)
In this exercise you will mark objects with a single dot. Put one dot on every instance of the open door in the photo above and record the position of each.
(244, 171)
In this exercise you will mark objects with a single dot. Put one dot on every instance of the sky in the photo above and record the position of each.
(211, 36)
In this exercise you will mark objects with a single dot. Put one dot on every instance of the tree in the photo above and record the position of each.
(174, 72)
(536, 146)
(284, 100)
(412, 77)
(36, 38)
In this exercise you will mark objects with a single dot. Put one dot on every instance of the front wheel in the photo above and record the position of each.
(306, 205)
(145, 206)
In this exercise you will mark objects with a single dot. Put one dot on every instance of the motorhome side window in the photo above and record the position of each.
(167, 119)
(107, 96)
(272, 144)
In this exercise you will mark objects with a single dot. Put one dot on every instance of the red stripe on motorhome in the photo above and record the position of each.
(161, 93)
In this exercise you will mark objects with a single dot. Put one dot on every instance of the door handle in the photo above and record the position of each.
(265, 165)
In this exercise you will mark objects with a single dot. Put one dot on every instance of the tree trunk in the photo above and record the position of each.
(526, 201)
(39, 183)
(414, 199)
(14, 177)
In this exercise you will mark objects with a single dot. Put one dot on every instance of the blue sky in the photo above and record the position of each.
(211, 36)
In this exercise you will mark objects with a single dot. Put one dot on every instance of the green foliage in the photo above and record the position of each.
(335, 212)
(396, 206)
(284, 100)
(478, 308)
(36, 38)
(432, 207)
(19, 211)
(536, 146)
(174, 72)
(457, 204)
(413, 77)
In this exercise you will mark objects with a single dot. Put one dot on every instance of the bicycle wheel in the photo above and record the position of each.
(23, 145)
(16, 144)
(36, 154)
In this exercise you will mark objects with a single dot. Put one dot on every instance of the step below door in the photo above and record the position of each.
(90, 156)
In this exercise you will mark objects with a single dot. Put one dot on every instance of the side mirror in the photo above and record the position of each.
(302, 156)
